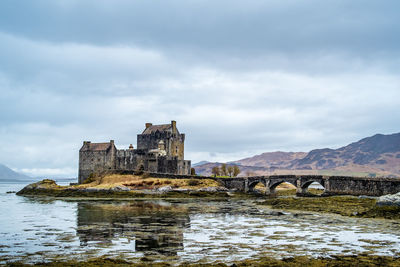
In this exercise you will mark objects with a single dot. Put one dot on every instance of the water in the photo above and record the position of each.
(40, 229)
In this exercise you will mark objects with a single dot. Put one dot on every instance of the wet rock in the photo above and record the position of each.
(366, 197)
(164, 189)
(120, 188)
(276, 213)
(10, 192)
(182, 190)
(73, 189)
(213, 189)
(389, 200)
(93, 189)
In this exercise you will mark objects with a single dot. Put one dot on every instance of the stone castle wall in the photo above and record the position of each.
(157, 152)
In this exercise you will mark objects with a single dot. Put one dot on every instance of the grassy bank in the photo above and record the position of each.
(358, 260)
(343, 205)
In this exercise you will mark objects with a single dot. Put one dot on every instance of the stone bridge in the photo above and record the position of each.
(333, 185)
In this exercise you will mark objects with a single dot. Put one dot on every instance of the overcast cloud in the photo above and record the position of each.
(240, 78)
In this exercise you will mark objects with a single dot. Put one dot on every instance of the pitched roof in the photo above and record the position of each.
(160, 128)
(98, 146)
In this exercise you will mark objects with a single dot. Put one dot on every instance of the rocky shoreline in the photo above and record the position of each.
(333, 260)
(50, 188)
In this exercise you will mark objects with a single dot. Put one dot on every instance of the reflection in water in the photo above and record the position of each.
(38, 229)
(152, 226)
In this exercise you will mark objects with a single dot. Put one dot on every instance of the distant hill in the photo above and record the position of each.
(8, 175)
(200, 163)
(378, 155)
(278, 159)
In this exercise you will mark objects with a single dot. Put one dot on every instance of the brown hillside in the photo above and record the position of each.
(378, 155)
(270, 159)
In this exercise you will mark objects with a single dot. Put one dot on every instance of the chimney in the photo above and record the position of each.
(173, 124)
(86, 142)
(148, 124)
(112, 142)
(130, 147)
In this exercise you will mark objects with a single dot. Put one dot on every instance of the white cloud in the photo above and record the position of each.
(40, 172)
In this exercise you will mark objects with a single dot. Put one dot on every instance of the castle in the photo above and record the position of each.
(160, 149)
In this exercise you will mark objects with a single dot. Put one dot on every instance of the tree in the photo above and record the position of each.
(236, 170)
(215, 171)
(192, 171)
(230, 170)
(223, 169)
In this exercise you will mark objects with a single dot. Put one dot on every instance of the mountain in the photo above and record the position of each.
(200, 163)
(8, 175)
(373, 156)
(379, 152)
(279, 159)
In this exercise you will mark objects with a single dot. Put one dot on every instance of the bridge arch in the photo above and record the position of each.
(274, 184)
(252, 184)
(305, 186)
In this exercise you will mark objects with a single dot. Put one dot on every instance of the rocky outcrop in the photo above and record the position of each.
(389, 200)
(43, 185)
(50, 188)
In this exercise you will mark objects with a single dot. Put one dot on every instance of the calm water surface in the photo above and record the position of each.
(37, 229)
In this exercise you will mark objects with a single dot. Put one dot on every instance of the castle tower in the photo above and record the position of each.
(168, 133)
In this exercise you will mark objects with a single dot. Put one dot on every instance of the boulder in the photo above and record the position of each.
(389, 200)
(213, 189)
(164, 189)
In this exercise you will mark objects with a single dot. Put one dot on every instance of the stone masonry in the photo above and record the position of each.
(160, 149)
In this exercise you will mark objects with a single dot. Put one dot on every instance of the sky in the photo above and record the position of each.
(239, 77)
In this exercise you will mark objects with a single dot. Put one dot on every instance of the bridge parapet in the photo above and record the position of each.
(333, 185)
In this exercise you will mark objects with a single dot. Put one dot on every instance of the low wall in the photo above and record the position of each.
(361, 186)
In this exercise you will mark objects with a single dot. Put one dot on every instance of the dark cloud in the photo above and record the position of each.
(240, 27)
